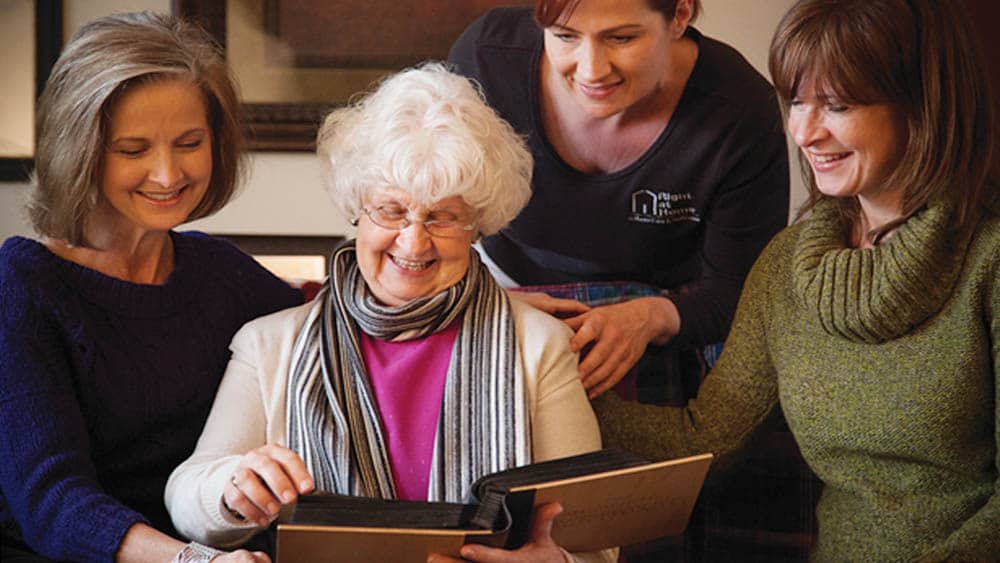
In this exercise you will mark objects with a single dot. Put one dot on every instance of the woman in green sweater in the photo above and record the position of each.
(874, 321)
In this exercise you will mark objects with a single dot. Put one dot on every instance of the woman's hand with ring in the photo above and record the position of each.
(265, 479)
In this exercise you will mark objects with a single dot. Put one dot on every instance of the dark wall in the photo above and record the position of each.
(986, 17)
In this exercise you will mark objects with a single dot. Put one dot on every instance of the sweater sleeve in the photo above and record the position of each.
(256, 290)
(562, 422)
(731, 403)
(47, 478)
(749, 207)
(976, 539)
(236, 425)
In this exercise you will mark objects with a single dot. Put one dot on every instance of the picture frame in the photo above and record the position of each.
(295, 61)
(48, 44)
(290, 257)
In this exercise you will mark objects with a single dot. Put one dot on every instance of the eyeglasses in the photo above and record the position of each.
(444, 224)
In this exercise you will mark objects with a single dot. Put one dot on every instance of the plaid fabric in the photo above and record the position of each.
(596, 294)
(664, 375)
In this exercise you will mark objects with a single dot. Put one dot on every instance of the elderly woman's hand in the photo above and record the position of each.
(265, 479)
(620, 334)
(540, 547)
(552, 305)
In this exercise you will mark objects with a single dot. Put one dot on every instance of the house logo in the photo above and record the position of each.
(662, 208)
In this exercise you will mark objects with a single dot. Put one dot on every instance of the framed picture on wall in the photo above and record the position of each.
(30, 67)
(290, 257)
(295, 60)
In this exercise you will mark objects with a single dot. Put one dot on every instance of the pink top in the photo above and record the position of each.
(408, 380)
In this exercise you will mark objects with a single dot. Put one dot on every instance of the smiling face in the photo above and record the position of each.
(400, 266)
(612, 54)
(852, 149)
(157, 159)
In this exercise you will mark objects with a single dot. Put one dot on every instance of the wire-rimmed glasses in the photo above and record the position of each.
(439, 223)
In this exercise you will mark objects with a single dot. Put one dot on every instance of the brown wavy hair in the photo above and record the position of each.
(548, 12)
(918, 56)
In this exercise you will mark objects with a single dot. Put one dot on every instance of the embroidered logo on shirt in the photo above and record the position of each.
(662, 208)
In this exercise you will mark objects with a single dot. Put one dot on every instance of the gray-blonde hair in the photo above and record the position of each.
(429, 132)
(97, 65)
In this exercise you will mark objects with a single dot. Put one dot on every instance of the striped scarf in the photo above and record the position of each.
(334, 421)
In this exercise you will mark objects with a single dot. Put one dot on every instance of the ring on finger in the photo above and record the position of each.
(232, 511)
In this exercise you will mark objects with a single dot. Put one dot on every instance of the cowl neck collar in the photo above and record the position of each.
(876, 294)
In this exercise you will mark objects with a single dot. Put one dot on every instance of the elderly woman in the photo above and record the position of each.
(114, 327)
(412, 373)
(875, 322)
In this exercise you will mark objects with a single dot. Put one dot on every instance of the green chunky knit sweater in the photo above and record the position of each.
(885, 364)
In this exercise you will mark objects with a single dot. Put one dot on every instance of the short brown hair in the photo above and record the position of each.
(100, 61)
(548, 12)
(918, 56)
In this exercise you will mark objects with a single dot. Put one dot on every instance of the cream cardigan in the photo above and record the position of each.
(249, 411)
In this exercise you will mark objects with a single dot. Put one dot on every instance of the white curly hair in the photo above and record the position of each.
(429, 132)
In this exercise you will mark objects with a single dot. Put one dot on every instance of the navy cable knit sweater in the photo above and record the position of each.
(105, 385)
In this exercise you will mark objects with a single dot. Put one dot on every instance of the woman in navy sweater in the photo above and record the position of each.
(114, 327)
